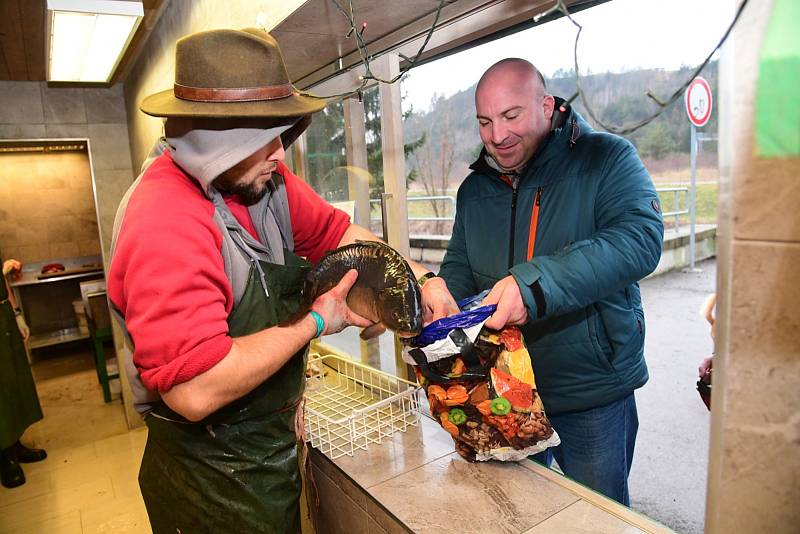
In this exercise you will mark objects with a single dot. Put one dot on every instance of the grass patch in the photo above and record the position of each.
(424, 208)
(706, 203)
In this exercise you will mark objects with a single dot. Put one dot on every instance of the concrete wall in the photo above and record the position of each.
(47, 208)
(674, 255)
(675, 252)
(31, 110)
(754, 467)
(154, 70)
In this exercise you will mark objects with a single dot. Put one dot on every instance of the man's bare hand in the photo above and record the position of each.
(332, 306)
(510, 308)
(704, 371)
(11, 265)
(437, 302)
(24, 331)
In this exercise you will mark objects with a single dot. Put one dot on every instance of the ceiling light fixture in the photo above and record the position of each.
(87, 37)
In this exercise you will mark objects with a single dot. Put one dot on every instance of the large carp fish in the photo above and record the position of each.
(386, 290)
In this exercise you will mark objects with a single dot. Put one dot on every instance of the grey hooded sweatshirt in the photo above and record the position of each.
(204, 149)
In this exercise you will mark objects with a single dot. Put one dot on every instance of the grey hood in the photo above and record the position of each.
(206, 148)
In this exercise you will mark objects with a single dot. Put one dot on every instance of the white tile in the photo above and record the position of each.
(127, 443)
(69, 523)
(62, 457)
(121, 516)
(90, 473)
(583, 518)
(55, 504)
(36, 484)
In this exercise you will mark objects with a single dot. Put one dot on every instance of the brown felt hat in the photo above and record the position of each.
(231, 74)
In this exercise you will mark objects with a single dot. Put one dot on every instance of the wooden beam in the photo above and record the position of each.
(394, 173)
(4, 74)
(356, 149)
(358, 187)
(299, 164)
(394, 159)
(34, 39)
(11, 40)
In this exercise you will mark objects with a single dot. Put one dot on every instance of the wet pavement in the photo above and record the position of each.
(668, 478)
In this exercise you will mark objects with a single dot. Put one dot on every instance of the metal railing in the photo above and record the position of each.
(446, 198)
(675, 212)
(675, 204)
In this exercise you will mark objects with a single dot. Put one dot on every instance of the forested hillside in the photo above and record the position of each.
(451, 133)
(443, 141)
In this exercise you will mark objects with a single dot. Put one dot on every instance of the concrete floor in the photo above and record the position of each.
(87, 484)
(72, 399)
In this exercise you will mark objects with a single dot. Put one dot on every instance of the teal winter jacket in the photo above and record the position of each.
(587, 208)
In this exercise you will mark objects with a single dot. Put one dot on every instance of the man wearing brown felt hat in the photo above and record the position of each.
(211, 244)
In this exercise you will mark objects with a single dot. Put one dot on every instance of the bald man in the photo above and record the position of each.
(559, 222)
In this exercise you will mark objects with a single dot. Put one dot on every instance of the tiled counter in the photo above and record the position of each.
(416, 482)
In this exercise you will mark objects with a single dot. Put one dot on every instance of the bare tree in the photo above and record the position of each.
(434, 165)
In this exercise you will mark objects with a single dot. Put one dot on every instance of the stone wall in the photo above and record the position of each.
(47, 210)
(754, 465)
(31, 110)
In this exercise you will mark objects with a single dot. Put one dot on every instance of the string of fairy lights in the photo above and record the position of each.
(357, 32)
(662, 104)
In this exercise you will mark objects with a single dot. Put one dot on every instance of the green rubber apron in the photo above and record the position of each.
(19, 404)
(237, 470)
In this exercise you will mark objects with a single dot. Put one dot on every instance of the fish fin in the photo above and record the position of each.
(306, 300)
(325, 256)
(373, 243)
(372, 331)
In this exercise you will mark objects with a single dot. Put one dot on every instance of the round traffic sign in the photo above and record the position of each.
(698, 101)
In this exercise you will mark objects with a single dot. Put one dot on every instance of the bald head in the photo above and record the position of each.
(513, 110)
(516, 68)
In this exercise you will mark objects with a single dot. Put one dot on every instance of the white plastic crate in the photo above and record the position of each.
(350, 405)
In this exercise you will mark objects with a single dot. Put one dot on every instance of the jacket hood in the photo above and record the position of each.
(205, 148)
(568, 128)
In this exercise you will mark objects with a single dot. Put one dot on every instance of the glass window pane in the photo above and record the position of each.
(326, 156)
(329, 175)
(372, 115)
(439, 99)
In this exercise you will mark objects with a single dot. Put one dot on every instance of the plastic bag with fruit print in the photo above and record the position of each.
(480, 386)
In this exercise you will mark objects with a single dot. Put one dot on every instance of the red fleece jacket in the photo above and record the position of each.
(168, 278)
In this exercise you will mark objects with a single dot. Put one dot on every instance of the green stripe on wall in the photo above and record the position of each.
(777, 100)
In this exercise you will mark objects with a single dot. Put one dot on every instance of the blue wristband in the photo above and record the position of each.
(320, 323)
